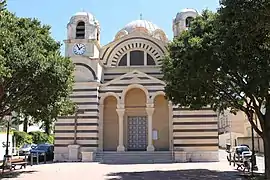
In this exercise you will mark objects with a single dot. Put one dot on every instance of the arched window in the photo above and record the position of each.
(188, 21)
(150, 60)
(80, 30)
(123, 61)
(136, 58)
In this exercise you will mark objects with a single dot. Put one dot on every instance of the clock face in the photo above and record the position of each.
(79, 49)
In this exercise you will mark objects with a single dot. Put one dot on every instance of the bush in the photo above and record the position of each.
(22, 138)
(50, 139)
(39, 137)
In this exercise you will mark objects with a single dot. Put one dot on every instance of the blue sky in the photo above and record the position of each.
(112, 14)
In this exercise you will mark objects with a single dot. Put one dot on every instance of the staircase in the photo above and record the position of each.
(134, 157)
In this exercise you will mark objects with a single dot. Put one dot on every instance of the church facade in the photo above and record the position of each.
(119, 93)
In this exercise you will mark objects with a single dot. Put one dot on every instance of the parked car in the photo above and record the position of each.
(25, 149)
(238, 151)
(42, 150)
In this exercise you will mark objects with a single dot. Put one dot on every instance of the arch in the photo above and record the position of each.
(80, 30)
(157, 94)
(132, 86)
(122, 46)
(189, 19)
(89, 68)
(107, 94)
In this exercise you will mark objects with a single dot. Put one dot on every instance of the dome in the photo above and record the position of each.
(90, 17)
(141, 26)
(184, 13)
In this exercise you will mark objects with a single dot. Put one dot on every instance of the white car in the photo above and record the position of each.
(25, 149)
(238, 151)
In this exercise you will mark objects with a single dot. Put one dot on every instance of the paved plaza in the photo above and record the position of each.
(94, 171)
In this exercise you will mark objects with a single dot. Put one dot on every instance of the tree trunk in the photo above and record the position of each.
(266, 140)
(47, 128)
(25, 124)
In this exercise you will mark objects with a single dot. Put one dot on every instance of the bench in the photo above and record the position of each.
(18, 162)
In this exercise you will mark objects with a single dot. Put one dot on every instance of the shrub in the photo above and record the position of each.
(39, 137)
(50, 139)
(22, 138)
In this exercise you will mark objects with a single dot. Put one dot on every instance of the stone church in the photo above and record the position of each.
(122, 113)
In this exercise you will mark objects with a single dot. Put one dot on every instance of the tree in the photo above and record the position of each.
(2, 4)
(223, 61)
(35, 78)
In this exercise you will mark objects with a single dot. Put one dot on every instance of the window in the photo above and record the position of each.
(188, 21)
(136, 58)
(123, 61)
(80, 30)
(150, 60)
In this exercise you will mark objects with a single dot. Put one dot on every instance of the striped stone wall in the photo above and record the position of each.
(86, 98)
(196, 133)
(112, 73)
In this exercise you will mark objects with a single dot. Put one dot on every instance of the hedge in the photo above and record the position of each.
(35, 137)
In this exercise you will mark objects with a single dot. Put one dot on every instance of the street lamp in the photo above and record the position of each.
(7, 157)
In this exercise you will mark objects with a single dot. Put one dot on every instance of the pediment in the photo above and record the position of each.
(134, 77)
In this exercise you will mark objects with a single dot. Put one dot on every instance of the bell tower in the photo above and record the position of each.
(182, 20)
(83, 36)
(83, 46)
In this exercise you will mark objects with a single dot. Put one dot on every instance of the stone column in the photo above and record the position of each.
(100, 127)
(150, 111)
(170, 107)
(121, 113)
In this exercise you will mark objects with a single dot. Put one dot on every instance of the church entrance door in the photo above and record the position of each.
(137, 133)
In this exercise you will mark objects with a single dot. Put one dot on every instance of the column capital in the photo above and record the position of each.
(150, 111)
(120, 106)
(120, 112)
(150, 105)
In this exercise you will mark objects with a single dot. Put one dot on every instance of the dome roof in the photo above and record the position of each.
(138, 24)
(141, 26)
(90, 17)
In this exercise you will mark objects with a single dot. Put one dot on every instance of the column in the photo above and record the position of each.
(170, 106)
(100, 128)
(150, 111)
(121, 113)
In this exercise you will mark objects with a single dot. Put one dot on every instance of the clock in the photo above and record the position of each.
(79, 49)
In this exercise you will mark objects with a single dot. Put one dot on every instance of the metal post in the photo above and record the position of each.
(31, 157)
(75, 126)
(37, 158)
(7, 142)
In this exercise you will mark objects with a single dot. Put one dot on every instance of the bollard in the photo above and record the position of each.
(45, 158)
(37, 158)
(230, 157)
(31, 159)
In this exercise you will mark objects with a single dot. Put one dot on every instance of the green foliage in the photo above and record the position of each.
(50, 139)
(3, 4)
(223, 62)
(39, 137)
(35, 79)
(22, 138)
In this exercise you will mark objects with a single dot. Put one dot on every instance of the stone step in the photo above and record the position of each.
(134, 157)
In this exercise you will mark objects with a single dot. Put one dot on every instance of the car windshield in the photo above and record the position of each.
(242, 149)
(42, 147)
(26, 146)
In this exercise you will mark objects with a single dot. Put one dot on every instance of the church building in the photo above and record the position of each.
(122, 114)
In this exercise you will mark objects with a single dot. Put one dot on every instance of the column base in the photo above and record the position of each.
(150, 148)
(120, 148)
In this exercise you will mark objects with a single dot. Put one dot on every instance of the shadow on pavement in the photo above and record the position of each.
(187, 174)
(15, 174)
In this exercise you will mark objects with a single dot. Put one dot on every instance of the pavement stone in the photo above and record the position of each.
(95, 171)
